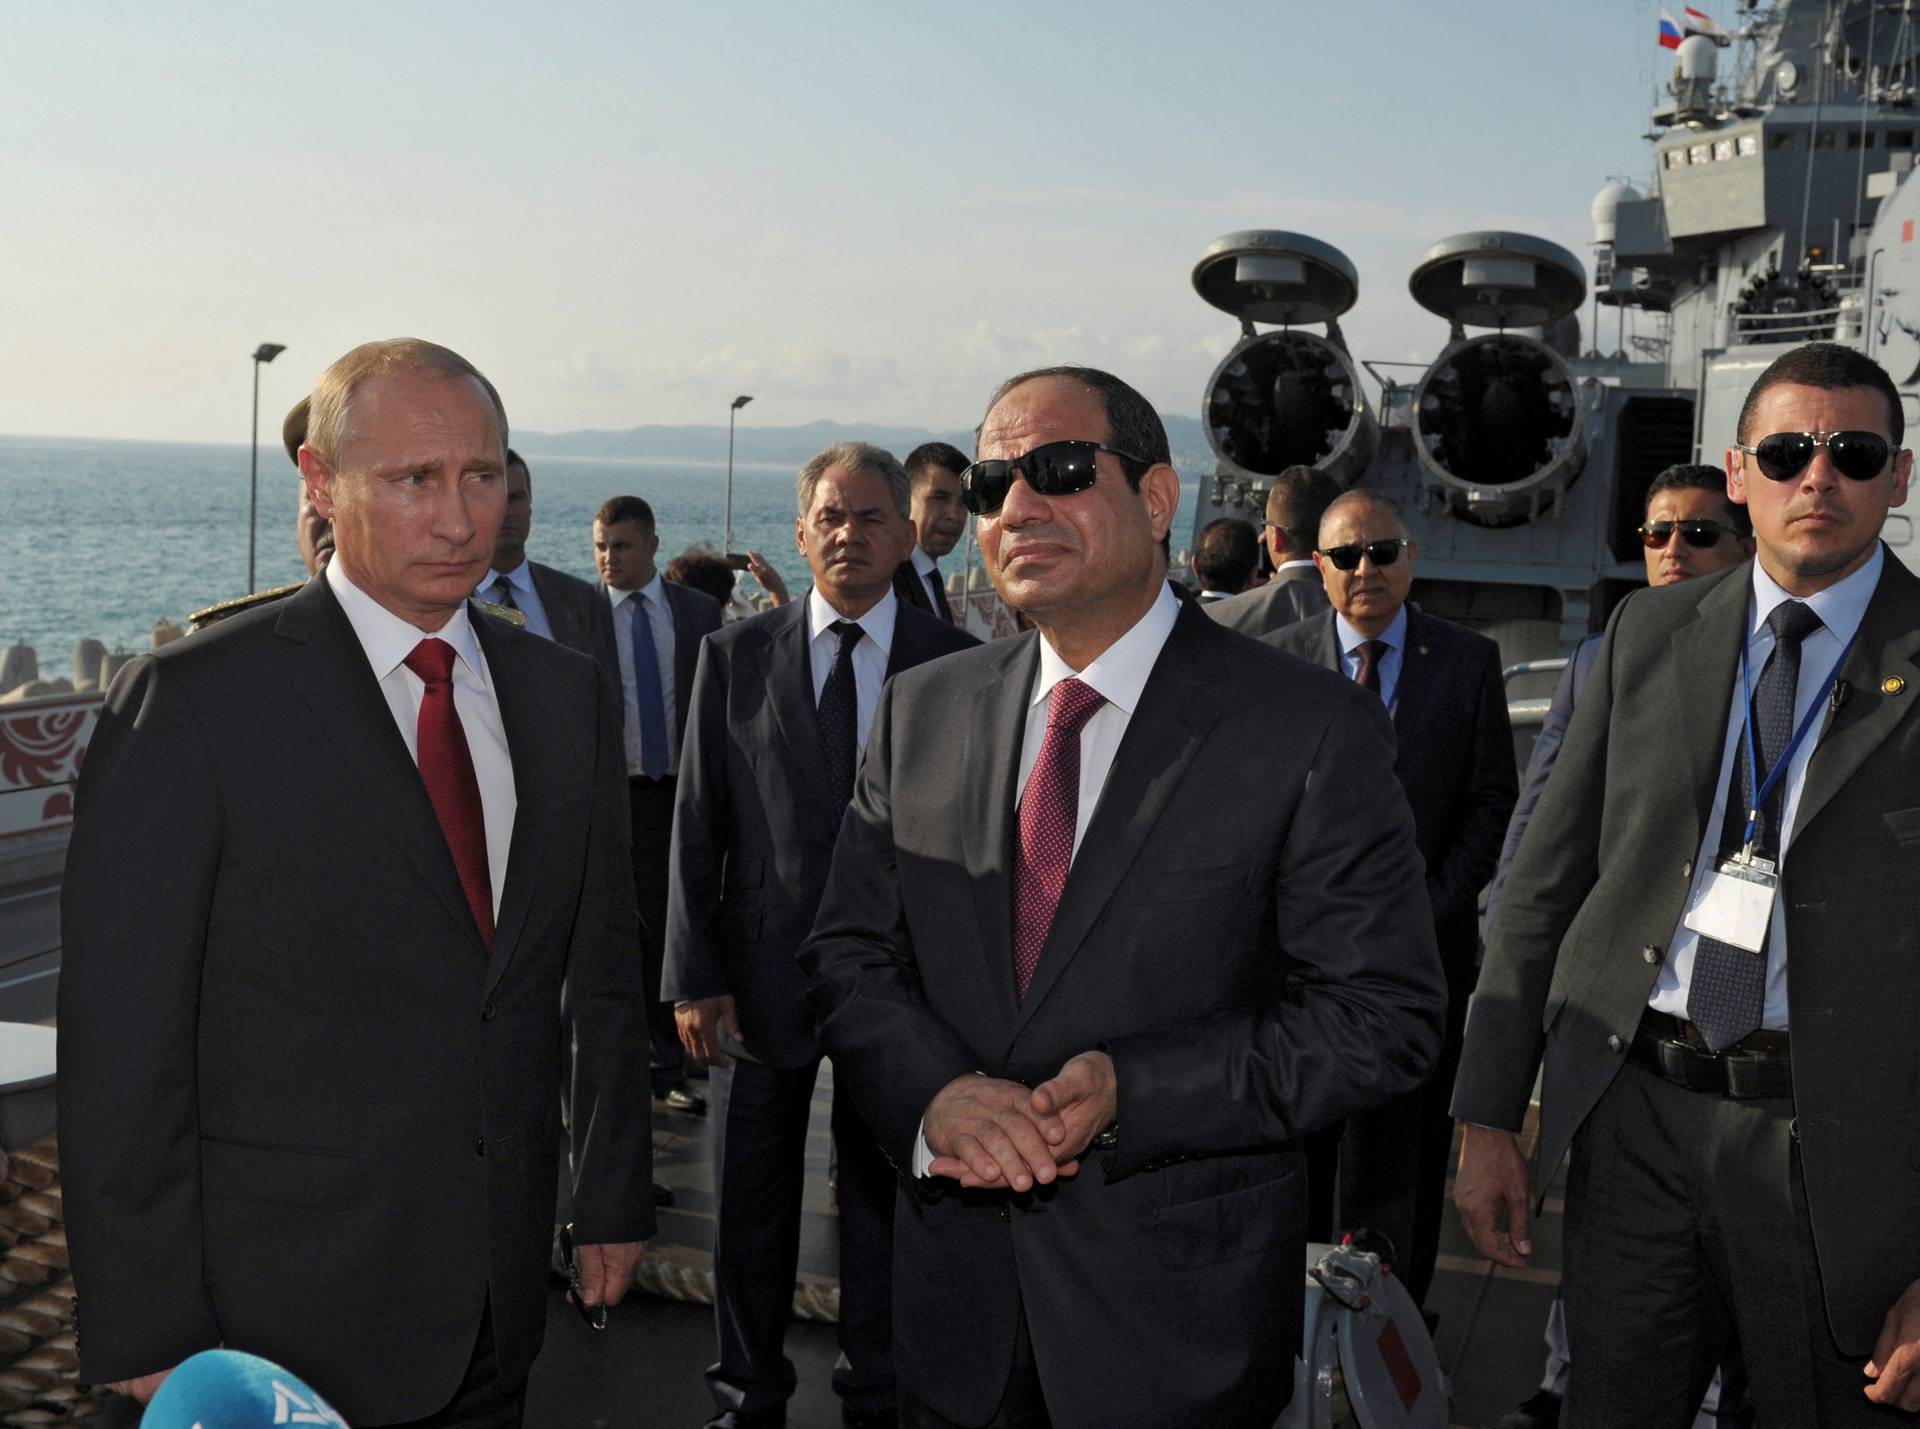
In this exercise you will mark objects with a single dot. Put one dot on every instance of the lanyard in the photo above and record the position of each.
(1766, 787)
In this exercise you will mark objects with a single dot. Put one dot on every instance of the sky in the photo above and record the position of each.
(628, 213)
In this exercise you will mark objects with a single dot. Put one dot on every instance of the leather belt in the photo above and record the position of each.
(1758, 1065)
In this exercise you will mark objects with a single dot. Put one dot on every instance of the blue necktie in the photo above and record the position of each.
(648, 694)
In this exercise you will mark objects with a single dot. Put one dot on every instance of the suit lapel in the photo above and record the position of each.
(1324, 648)
(1176, 710)
(1706, 658)
(1883, 652)
(328, 666)
(686, 654)
(518, 717)
(790, 692)
(562, 614)
(1412, 691)
(995, 733)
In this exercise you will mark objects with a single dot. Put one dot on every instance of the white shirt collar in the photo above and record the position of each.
(388, 639)
(520, 578)
(1120, 671)
(1841, 606)
(923, 563)
(1395, 635)
(654, 590)
(1293, 565)
(876, 624)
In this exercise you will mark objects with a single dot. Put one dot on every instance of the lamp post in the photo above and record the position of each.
(265, 352)
(727, 540)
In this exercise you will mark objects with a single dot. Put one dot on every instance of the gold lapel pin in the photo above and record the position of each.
(1892, 685)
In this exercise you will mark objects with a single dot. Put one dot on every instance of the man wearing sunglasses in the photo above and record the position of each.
(1299, 496)
(1091, 1049)
(1441, 684)
(1710, 935)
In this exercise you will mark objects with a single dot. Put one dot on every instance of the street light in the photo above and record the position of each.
(265, 352)
(738, 403)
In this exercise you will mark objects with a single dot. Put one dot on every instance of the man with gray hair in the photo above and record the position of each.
(777, 728)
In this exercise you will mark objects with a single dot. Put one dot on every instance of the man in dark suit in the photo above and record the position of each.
(781, 709)
(651, 661)
(554, 604)
(1023, 963)
(1294, 592)
(1690, 529)
(347, 878)
(1224, 559)
(1441, 684)
(939, 520)
(1737, 1091)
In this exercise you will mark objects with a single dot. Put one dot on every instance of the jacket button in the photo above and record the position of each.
(480, 1146)
(1686, 869)
(487, 1012)
(1649, 954)
(1613, 1043)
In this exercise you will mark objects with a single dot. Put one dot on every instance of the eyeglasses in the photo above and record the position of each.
(1694, 532)
(1381, 553)
(1055, 469)
(1860, 456)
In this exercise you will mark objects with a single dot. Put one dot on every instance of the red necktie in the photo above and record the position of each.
(1371, 653)
(1048, 811)
(446, 767)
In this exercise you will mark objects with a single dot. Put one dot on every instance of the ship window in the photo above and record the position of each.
(1779, 142)
(1749, 145)
(1858, 140)
(1676, 158)
(1899, 138)
(1700, 153)
(1722, 149)
(1823, 140)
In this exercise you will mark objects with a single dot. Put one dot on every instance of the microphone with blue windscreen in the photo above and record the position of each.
(225, 1389)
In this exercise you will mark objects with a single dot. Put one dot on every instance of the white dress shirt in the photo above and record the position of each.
(1840, 608)
(1120, 673)
(1395, 637)
(526, 598)
(388, 640)
(929, 573)
(1304, 563)
(870, 656)
(653, 595)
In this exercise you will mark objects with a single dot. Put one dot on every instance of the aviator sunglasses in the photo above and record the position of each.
(1381, 553)
(1694, 532)
(1859, 456)
(1055, 469)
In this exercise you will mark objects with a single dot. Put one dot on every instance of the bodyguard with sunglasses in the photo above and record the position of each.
(1711, 937)
(1090, 1047)
(1440, 683)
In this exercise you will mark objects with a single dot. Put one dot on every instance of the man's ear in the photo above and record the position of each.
(1161, 488)
(318, 477)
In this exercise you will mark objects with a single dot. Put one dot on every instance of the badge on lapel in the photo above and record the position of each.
(1892, 685)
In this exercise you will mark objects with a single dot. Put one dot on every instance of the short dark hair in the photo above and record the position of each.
(1132, 424)
(1297, 500)
(928, 455)
(1225, 554)
(1694, 476)
(515, 459)
(1827, 365)
(700, 568)
(625, 508)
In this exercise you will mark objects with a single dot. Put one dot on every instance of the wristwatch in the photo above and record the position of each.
(1107, 1137)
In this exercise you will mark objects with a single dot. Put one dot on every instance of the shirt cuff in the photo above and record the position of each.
(922, 1153)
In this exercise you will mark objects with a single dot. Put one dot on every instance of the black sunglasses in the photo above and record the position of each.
(1699, 533)
(1381, 553)
(1782, 456)
(1055, 469)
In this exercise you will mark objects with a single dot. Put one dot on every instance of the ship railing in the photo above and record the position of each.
(1551, 666)
(1842, 320)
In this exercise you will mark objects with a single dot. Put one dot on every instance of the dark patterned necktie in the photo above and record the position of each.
(1372, 652)
(939, 587)
(446, 768)
(1727, 997)
(503, 593)
(1049, 811)
(839, 714)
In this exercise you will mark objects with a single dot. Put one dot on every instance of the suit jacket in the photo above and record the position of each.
(1251, 987)
(754, 823)
(696, 615)
(1289, 596)
(909, 585)
(1600, 881)
(574, 608)
(303, 1111)
(1455, 761)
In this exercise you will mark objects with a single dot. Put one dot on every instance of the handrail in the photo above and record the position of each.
(1551, 666)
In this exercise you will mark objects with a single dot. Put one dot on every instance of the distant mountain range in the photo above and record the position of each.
(792, 445)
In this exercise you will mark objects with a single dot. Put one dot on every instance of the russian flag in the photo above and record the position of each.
(1669, 31)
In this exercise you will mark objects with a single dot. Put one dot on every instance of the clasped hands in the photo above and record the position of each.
(996, 1135)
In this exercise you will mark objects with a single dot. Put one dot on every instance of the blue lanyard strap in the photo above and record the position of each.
(1778, 772)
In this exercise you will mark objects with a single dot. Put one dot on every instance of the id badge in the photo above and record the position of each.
(1735, 904)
